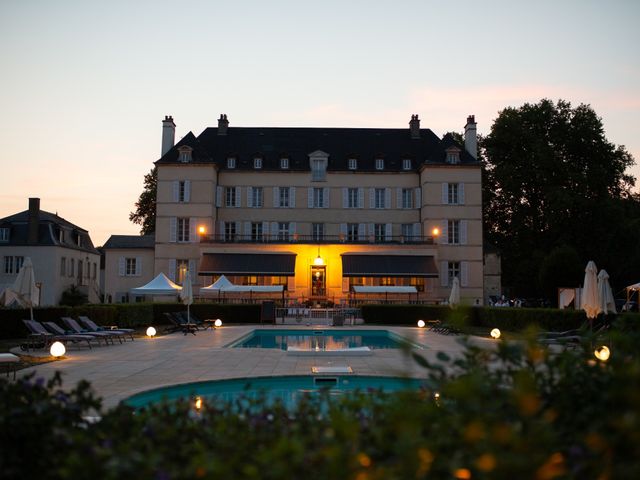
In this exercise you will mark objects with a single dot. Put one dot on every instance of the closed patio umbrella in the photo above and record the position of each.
(605, 295)
(25, 288)
(186, 294)
(454, 297)
(590, 303)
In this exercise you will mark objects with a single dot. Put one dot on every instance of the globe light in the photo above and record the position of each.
(198, 403)
(495, 333)
(602, 353)
(57, 349)
(421, 324)
(218, 323)
(151, 332)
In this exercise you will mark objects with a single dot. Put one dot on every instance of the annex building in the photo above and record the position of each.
(322, 211)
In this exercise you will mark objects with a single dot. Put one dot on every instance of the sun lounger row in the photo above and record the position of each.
(43, 334)
(180, 322)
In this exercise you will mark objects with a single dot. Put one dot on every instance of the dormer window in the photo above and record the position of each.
(4, 234)
(406, 164)
(284, 163)
(61, 235)
(184, 154)
(352, 164)
(78, 239)
(318, 162)
(453, 155)
(379, 163)
(257, 163)
(231, 162)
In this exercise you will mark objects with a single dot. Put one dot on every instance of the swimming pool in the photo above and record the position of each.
(321, 340)
(287, 389)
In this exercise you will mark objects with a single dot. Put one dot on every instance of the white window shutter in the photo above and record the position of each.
(463, 232)
(176, 190)
(325, 197)
(121, 267)
(398, 197)
(461, 193)
(172, 269)
(274, 229)
(361, 197)
(187, 190)
(464, 274)
(345, 197)
(387, 198)
(343, 229)
(372, 197)
(417, 231)
(276, 197)
(138, 266)
(444, 232)
(445, 193)
(345, 284)
(371, 229)
(193, 233)
(387, 232)
(192, 270)
(220, 235)
(238, 231)
(238, 196)
(265, 229)
(362, 227)
(218, 196)
(247, 231)
(291, 284)
(292, 197)
(418, 197)
(444, 274)
(310, 197)
(292, 228)
(250, 197)
(173, 227)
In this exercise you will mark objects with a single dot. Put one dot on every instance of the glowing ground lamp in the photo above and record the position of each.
(495, 333)
(151, 332)
(602, 353)
(57, 349)
(217, 323)
(421, 324)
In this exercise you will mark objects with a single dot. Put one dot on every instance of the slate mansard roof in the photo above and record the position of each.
(49, 227)
(271, 144)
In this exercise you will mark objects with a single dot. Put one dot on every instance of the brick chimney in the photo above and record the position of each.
(223, 124)
(414, 126)
(168, 134)
(34, 221)
(470, 137)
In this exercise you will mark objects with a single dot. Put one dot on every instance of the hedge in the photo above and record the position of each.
(127, 315)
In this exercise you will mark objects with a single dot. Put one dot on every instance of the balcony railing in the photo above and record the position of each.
(312, 239)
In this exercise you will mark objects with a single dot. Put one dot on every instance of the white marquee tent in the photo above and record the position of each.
(161, 285)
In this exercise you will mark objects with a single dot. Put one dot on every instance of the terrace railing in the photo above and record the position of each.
(313, 239)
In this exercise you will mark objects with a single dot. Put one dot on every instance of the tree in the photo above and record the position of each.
(561, 268)
(145, 212)
(552, 179)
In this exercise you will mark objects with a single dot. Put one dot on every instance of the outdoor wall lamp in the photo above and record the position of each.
(318, 260)
(435, 231)
(202, 229)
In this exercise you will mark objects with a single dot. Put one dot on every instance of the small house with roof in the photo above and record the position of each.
(128, 263)
(62, 253)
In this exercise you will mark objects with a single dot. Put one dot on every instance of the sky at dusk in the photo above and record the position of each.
(85, 84)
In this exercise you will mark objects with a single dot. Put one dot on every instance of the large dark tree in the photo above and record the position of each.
(553, 179)
(145, 212)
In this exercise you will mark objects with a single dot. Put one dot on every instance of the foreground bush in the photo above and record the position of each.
(517, 412)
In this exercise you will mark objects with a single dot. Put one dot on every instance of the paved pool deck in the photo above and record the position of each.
(120, 370)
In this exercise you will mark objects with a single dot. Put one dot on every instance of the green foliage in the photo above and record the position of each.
(516, 411)
(145, 212)
(72, 297)
(553, 179)
(561, 268)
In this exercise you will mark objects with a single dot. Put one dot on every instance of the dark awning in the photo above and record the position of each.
(277, 264)
(357, 265)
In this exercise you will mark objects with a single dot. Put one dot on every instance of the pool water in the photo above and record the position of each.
(320, 340)
(287, 389)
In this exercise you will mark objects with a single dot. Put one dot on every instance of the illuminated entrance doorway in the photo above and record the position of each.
(318, 281)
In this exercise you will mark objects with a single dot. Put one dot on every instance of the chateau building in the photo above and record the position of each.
(62, 253)
(322, 210)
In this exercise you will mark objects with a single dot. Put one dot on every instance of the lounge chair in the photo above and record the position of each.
(93, 328)
(76, 328)
(192, 319)
(178, 323)
(58, 330)
(40, 337)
